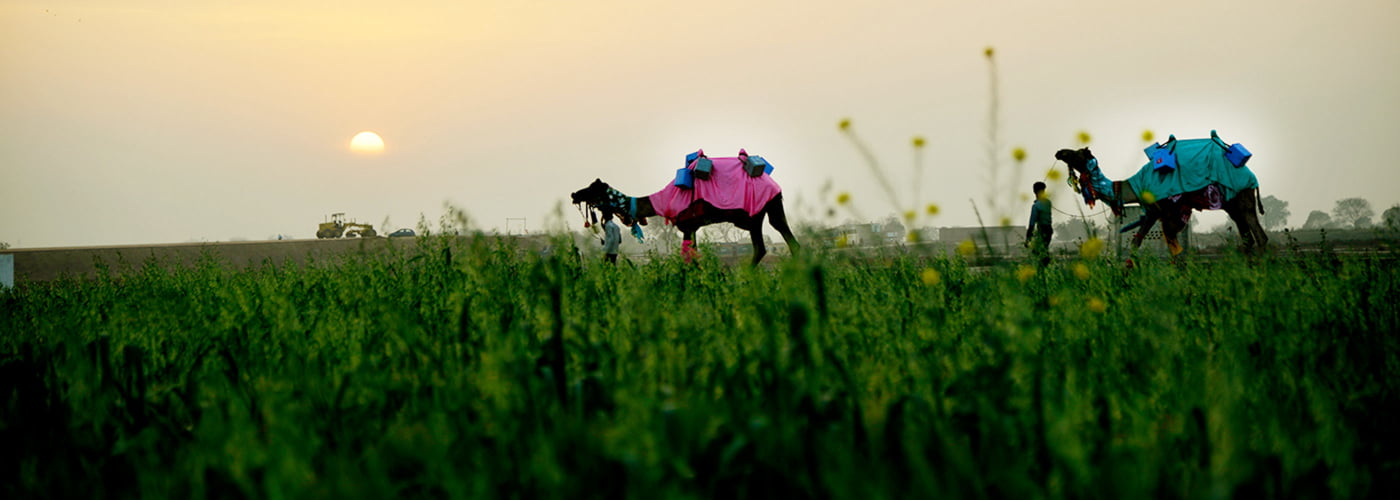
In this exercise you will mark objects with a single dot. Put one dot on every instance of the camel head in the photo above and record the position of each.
(1086, 178)
(606, 199)
(1077, 159)
(595, 194)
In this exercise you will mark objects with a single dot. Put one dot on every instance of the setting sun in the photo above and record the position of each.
(367, 143)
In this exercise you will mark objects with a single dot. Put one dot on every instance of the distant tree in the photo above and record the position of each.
(4, 245)
(720, 233)
(1391, 217)
(1350, 211)
(1318, 219)
(1275, 213)
(663, 236)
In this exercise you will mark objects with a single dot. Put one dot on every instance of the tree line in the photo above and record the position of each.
(1348, 213)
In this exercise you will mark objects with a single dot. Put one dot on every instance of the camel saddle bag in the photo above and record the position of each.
(703, 167)
(684, 179)
(1236, 153)
(1163, 156)
(756, 166)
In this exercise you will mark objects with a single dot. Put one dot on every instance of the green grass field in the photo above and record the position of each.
(469, 368)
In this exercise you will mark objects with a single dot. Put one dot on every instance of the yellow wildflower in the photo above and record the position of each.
(1092, 248)
(842, 241)
(843, 198)
(1052, 175)
(1081, 271)
(909, 215)
(1018, 154)
(845, 123)
(1025, 273)
(1005, 221)
(918, 142)
(967, 248)
(1147, 136)
(1056, 300)
(1097, 305)
(931, 209)
(1148, 197)
(1084, 137)
(989, 52)
(914, 236)
(931, 277)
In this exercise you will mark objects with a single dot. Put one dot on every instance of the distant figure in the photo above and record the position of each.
(1039, 230)
(612, 237)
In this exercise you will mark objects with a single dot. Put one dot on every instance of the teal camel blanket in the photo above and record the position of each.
(1200, 163)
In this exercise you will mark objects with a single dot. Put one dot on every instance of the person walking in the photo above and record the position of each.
(1039, 230)
(612, 238)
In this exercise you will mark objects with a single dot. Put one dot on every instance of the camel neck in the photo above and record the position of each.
(637, 208)
(644, 208)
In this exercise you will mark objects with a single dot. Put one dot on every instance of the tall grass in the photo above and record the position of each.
(468, 367)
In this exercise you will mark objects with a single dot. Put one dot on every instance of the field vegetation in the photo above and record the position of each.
(468, 367)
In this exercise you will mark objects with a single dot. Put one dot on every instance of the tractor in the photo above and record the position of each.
(336, 227)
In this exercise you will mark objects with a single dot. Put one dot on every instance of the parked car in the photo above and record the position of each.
(401, 233)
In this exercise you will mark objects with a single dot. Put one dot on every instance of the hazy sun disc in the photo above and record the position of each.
(367, 142)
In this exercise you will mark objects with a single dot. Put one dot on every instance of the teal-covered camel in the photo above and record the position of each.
(1181, 176)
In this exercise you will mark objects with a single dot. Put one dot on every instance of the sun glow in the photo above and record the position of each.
(367, 143)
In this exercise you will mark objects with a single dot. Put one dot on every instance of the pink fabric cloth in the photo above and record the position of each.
(729, 187)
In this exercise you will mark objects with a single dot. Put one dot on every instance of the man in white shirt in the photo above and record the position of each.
(612, 237)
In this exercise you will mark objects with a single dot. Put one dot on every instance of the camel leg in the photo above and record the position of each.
(1246, 233)
(1172, 224)
(778, 218)
(688, 250)
(1149, 220)
(1242, 211)
(756, 236)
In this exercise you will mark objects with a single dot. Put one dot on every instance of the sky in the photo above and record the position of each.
(142, 122)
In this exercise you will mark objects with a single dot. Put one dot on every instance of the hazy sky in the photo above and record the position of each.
(144, 121)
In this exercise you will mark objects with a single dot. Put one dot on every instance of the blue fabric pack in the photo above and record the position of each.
(1238, 155)
(684, 179)
(1163, 156)
(1163, 160)
(690, 158)
(703, 167)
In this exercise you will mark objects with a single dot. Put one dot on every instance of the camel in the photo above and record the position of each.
(1202, 180)
(702, 205)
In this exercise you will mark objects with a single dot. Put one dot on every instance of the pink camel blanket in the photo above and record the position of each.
(728, 187)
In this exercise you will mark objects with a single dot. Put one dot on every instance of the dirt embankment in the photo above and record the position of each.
(47, 264)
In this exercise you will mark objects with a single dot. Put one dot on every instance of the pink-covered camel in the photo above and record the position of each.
(728, 195)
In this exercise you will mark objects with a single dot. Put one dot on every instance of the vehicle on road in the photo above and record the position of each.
(337, 226)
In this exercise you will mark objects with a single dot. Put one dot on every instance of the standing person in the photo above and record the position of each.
(612, 237)
(1039, 231)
